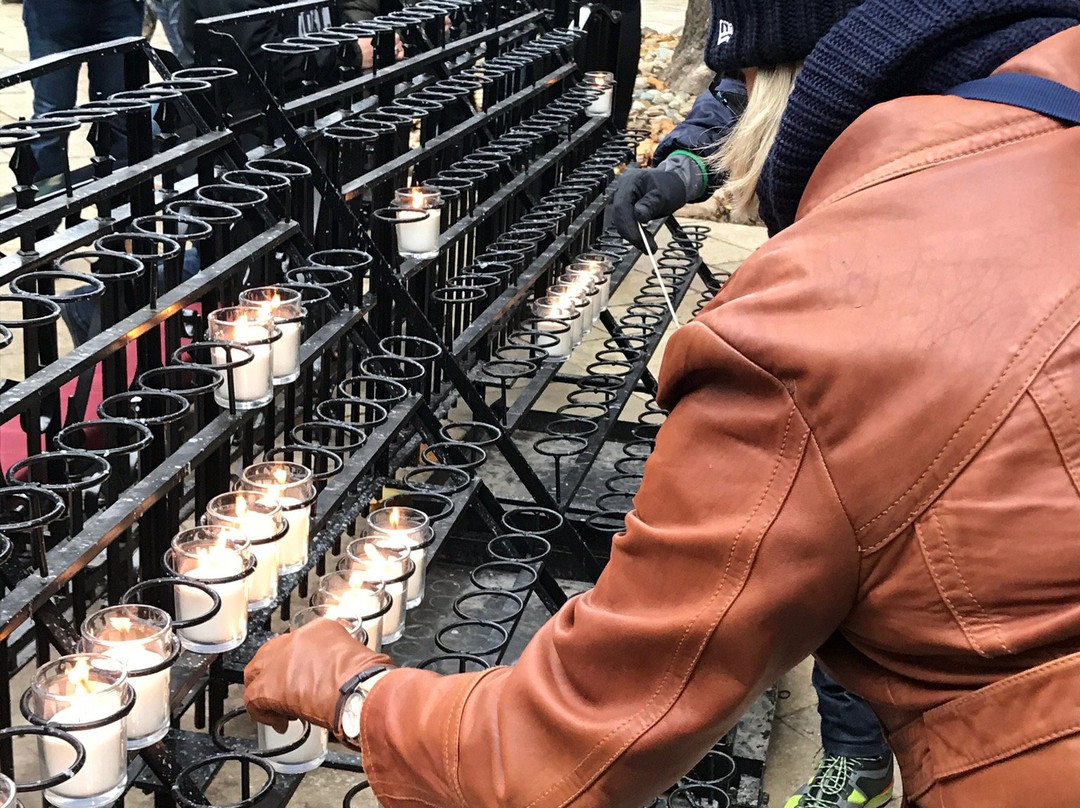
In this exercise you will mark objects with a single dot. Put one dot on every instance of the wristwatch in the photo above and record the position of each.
(351, 701)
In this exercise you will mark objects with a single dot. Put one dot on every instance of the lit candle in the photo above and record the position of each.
(218, 557)
(601, 266)
(418, 237)
(75, 690)
(605, 83)
(291, 484)
(253, 329)
(285, 308)
(378, 560)
(141, 638)
(584, 283)
(351, 595)
(258, 517)
(554, 314)
(406, 527)
(567, 297)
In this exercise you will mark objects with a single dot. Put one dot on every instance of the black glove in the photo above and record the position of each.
(644, 195)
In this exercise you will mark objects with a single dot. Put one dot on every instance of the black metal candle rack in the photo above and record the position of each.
(278, 165)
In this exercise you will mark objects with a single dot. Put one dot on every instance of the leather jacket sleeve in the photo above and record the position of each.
(737, 562)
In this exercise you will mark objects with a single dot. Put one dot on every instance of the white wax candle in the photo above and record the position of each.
(414, 590)
(310, 755)
(287, 351)
(601, 107)
(253, 381)
(358, 603)
(566, 338)
(393, 620)
(263, 582)
(419, 238)
(294, 545)
(151, 710)
(231, 622)
(106, 754)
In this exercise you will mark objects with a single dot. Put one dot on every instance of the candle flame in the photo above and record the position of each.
(417, 198)
(122, 624)
(79, 676)
(280, 475)
(275, 301)
(241, 506)
(373, 553)
(395, 517)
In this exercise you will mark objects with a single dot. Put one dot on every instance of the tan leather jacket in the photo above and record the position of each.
(873, 449)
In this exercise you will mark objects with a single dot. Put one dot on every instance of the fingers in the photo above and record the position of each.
(651, 206)
(630, 189)
(270, 718)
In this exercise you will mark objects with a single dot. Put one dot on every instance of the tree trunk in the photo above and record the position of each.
(687, 71)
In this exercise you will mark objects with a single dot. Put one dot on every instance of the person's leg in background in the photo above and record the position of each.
(168, 14)
(856, 769)
(52, 26)
(113, 19)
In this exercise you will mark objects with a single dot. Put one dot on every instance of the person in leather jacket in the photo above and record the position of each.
(872, 453)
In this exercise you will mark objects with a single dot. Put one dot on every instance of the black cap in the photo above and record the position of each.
(762, 33)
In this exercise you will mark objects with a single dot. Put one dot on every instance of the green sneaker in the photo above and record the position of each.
(843, 782)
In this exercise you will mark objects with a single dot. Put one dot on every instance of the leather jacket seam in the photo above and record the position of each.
(994, 424)
(1046, 413)
(453, 734)
(829, 477)
(902, 166)
(648, 719)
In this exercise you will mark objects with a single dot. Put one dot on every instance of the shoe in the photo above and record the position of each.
(844, 782)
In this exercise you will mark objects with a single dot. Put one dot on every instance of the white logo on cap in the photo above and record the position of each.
(727, 31)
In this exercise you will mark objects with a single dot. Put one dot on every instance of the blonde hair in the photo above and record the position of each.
(742, 154)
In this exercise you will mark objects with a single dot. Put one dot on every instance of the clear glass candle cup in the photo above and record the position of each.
(411, 528)
(565, 296)
(348, 594)
(88, 696)
(550, 307)
(220, 558)
(293, 486)
(586, 283)
(253, 329)
(287, 311)
(601, 274)
(418, 237)
(9, 798)
(603, 82)
(141, 637)
(258, 517)
(383, 560)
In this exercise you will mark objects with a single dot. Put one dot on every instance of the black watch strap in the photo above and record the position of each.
(355, 682)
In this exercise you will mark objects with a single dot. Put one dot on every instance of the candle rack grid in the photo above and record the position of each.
(423, 376)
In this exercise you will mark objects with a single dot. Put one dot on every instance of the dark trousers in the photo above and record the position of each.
(53, 26)
(849, 727)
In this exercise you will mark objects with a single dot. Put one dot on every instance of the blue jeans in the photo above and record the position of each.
(849, 727)
(168, 14)
(53, 26)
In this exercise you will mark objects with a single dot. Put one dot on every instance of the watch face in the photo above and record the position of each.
(350, 716)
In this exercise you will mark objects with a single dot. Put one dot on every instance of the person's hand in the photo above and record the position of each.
(299, 675)
(643, 195)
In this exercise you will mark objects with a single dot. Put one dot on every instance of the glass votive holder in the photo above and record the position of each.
(381, 560)
(285, 308)
(567, 296)
(86, 695)
(253, 329)
(258, 517)
(559, 310)
(293, 486)
(604, 83)
(418, 237)
(8, 796)
(140, 637)
(586, 284)
(411, 528)
(351, 595)
(602, 267)
(220, 558)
